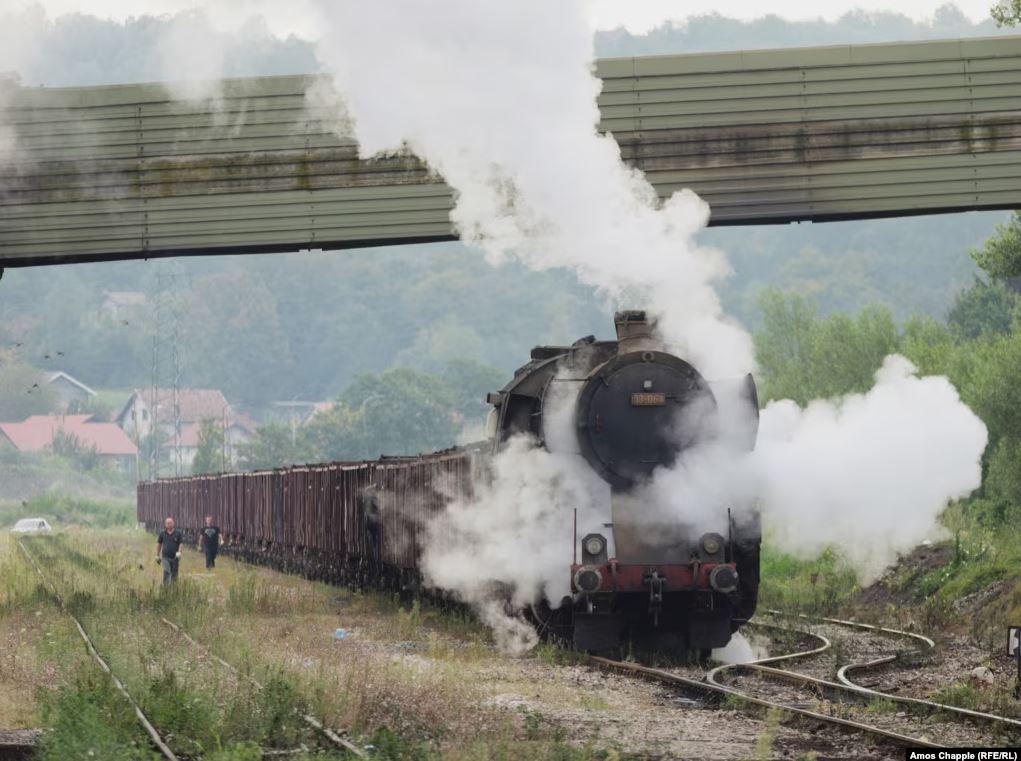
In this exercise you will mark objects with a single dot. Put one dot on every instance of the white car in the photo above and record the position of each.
(32, 526)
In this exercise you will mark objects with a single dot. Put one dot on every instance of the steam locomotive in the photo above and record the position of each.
(654, 570)
(631, 410)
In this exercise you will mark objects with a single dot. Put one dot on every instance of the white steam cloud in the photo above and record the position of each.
(869, 473)
(191, 56)
(510, 543)
(19, 47)
(500, 99)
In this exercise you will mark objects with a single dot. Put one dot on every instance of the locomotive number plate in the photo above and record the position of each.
(648, 400)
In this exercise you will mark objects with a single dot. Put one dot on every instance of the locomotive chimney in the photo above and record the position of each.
(634, 331)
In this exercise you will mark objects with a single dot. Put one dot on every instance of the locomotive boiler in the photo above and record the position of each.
(656, 573)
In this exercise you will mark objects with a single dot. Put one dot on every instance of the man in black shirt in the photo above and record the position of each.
(168, 550)
(209, 539)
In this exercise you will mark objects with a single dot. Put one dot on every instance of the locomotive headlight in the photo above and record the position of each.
(723, 578)
(587, 579)
(595, 544)
(711, 544)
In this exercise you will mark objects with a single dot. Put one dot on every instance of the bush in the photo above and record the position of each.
(67, 510)
(88, 719)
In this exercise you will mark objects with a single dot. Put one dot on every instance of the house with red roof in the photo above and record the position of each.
(36, 434)
(179, 416)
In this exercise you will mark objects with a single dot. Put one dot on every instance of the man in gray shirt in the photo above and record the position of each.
(168, 550)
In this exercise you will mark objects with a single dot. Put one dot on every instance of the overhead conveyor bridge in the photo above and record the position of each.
(774, 136)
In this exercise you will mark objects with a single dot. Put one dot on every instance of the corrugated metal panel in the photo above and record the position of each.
(764, 136)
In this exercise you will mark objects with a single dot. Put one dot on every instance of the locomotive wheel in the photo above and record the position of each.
(552, 625)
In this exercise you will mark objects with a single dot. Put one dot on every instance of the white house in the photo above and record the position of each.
(193, 405)
(68, 389)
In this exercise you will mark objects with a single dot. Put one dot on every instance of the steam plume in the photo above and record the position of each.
(869, 473)
(500, 100)
(19, 34)
(514, 548)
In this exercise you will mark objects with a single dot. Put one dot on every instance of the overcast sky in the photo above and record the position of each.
(637, 15)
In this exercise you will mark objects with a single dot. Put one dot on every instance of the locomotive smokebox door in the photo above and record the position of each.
(638, 412)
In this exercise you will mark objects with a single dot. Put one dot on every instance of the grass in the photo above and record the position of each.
(26, 475)
(764, 744)
(817, 587)
(881, 706)
(415, 682)
(555, 655)
(276, 628)
(89, 719)
(985, 565)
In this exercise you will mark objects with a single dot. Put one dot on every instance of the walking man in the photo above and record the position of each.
(210, 539)
(168, 550)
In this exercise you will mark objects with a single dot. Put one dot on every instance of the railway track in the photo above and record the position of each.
(890, 719)
(154, 736)
(924, 645)
(309, 719)
(334, 738)
(768, 683)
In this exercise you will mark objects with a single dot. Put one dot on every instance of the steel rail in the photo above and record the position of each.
(150, 730)
(335, 737)
(928, 644)
(309, 719)
(761, 667)
(824, 645)
(720, 689)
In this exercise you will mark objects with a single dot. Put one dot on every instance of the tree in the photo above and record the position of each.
(848, 351)
(1001, 254)
(443, 341)
(805, 357)
(982, 309)
(469, 382)
(929, 345)
(783, 346)
(1007, 12)
(209, 456)
(148, 446)
(234, 338)
(23, 391)
(987, 387)
(397, 412)
(71, 448)
(276, 445)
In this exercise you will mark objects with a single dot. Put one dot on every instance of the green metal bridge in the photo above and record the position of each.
(771, 136)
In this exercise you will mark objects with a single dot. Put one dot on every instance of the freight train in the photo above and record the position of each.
(627, 409)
